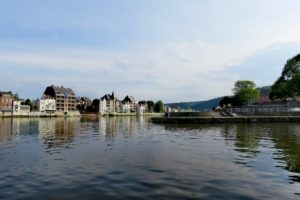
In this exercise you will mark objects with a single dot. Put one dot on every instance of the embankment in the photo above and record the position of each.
(240, 119)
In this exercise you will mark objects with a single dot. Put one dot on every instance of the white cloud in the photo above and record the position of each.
(182, 71)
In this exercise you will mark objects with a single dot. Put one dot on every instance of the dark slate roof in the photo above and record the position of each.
(59, 91)
(129, 99)
(63, 90)
(1, 92)
(9, 93)
(109, 97)
(142, 103)
(86, 99)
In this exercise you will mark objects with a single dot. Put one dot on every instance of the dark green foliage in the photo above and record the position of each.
(17, 98)
(229, 100)
(150, 105)
(264, 91)
(197, 105)
(241, 85)
(245, 91)
(159, 106)
(28, 102)
(288, 84)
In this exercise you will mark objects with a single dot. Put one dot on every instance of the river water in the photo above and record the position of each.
(131, 158)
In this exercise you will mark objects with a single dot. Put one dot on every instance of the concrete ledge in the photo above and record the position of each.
(244, 119)
(135, 114)
(40, 114)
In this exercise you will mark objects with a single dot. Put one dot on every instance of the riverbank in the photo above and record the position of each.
(40, 114)
(240, 119)
(74, 114)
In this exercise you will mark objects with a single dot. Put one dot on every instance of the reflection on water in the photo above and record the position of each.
(57, 132)
(129, 157)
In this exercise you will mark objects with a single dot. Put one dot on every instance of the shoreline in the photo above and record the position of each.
(77, 114)
(215, 120)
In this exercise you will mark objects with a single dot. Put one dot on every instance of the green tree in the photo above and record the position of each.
(245, 91)
(17, 98)
(229, 100)
(159, 106)
(287, 85)
(150, 105)
(29, 103)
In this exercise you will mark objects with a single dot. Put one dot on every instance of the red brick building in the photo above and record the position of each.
(6, 101)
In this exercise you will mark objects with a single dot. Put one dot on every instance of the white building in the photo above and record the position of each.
(125, 107)
(47, 105)
(102, 106)
(141, 109)
(19, 109)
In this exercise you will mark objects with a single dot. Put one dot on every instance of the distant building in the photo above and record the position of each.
(19, 109)
(125, 107)
(65, 98)
(102, 106)
(84, 103)
(99, 106)
(6, 101)
(112, 103)
(46, 105)
(141, 109)
(129, 100)
(263, 100)
(144, 105)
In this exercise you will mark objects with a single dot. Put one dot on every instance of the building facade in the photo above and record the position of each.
(144, 105)
(99, 106)
(112, 103)
(46, 105)
(6, 101)
(129, 100)
(84, 103)
(19, 109)
(65, 98)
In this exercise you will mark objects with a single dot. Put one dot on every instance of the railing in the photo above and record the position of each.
(259, 109)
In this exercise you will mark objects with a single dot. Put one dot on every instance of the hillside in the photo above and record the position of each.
(209, 104)
(197, 105)
(265, 91)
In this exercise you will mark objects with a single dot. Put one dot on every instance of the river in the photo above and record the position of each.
(131, 158)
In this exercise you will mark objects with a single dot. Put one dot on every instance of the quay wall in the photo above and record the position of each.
(136, 114)
(74, 114)
(192, 114)
(268, 113)
(40, 114)
(240, 119)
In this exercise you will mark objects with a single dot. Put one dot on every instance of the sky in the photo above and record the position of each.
(169, 50)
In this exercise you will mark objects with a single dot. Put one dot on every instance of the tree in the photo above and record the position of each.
(229, 100)
(245, 91)
(287, 85)
(150, 105)
(28, 102)
(159, 106)
(17, 98)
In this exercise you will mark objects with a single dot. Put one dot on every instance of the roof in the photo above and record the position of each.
(129, 99)
(262, 100)
(142, 103)
(7, 93)
(59, 91)
(63, 90)
(109, 97)
(86, 99)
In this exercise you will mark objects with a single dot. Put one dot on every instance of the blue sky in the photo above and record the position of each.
(173, 50)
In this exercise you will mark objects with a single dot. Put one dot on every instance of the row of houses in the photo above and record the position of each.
(10, 104)
(110, 104)
(64, 100)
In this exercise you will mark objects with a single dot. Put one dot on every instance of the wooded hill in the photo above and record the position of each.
(209, 104)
